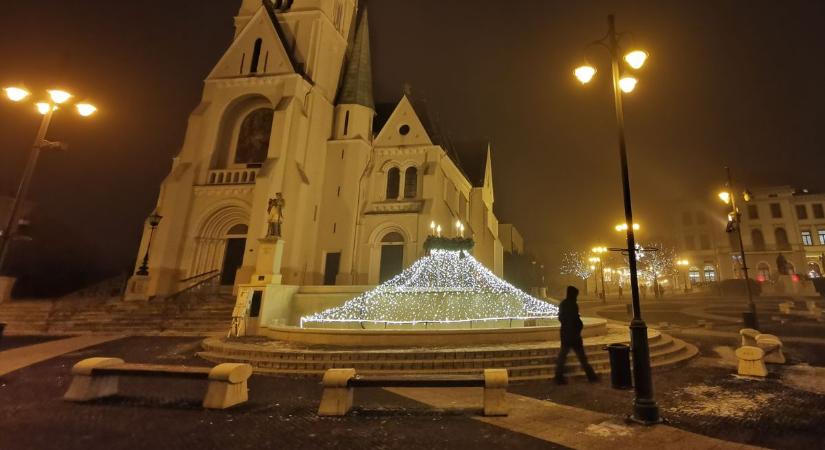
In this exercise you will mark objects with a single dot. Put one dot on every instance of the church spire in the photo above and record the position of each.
(356, 88)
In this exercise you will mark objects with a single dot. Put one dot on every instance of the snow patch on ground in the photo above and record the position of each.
(608, 429)
(728, 355)
(702, 400)
(805, 378)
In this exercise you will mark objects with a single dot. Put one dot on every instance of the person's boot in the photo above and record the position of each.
(560, 380)
(592, 376)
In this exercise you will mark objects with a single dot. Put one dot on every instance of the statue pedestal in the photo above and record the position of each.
(6, 285)
(137, 288)
(263, 299)
(268, 264)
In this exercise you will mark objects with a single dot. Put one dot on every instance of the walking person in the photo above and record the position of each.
(571, 337)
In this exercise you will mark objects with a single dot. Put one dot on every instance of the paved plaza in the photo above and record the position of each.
(705, 405)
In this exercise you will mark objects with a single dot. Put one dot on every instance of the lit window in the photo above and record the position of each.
(806, 238)
(821, 237)
(710, 273)
(694, 275)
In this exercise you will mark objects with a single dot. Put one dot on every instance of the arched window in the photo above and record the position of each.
(392, 256)
(781, 238)
(256, 56)
(693, 274)
(411, 183)
(758, 239)
(238, 230)
(253, 138)
(393, 181)
(710, 272)
(393, 238)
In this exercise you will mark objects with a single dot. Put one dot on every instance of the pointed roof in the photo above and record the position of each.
(357, 84)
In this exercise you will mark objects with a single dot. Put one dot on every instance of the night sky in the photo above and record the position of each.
(737, 83)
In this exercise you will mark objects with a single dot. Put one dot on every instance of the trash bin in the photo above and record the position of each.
(620, 366)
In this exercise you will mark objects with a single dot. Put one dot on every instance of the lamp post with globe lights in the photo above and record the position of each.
(56, 99)
(749, 318)
(645, 409)
(153, 220)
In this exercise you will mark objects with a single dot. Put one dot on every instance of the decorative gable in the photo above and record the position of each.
(403, 128)
(258, 50)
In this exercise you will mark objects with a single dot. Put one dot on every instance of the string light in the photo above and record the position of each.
(445, 287)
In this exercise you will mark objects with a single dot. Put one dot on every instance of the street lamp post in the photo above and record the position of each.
(683, 263)
(46, 109)
(645, 409)
(749, 319)
(154, 221)
(599, 251)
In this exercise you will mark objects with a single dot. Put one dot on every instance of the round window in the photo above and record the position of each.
(404, 130)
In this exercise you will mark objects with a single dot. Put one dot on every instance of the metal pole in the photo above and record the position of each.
(144, 268)
(23, 188)
(601, 269)
(754, 323)
(645, 409)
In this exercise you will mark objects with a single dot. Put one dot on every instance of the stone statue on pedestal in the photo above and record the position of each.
(275, 217)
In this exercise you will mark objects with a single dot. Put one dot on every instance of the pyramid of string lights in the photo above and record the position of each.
(448, 289)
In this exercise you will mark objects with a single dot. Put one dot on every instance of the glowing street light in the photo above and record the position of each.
(16, 94)
(636, 59)
(59, 97)
(725, 197)
(623, 227)
(85, 109)
(749, 318)
(46, 109)
(627, 84)
(645, 409)
(585, 73)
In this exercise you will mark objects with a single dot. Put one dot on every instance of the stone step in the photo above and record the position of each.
(521, 367)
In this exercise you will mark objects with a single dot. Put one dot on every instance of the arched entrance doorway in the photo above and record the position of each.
(392, 256)
(233, 255)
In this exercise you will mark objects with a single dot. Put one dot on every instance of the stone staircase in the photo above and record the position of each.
(201, 311)
(524, 362)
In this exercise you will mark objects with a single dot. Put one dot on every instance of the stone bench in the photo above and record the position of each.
(749, 336)
(339, 386)
(751, 362)
(95, 378)
(772, 346)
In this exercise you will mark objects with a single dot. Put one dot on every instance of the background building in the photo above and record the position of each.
(783, 232)
(289, 109)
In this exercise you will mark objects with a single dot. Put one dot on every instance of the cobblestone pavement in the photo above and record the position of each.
(166, 414)
(787, 410)
(10, 342)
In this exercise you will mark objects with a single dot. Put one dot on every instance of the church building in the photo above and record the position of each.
(289, 110)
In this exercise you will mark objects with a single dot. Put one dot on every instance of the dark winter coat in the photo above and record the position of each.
(571, 323)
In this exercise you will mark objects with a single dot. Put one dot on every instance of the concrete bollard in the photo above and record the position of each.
(227, 386)
(337, 397)
(751, 362)
(495, 392)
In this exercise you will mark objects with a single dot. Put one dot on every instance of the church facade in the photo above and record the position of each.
(289, 110)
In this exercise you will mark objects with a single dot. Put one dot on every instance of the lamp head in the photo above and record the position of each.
(85, 109)
(636, 59)
(58, 96)
(627, 84)
(16, 94)
(585, 73)
(725, 197)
